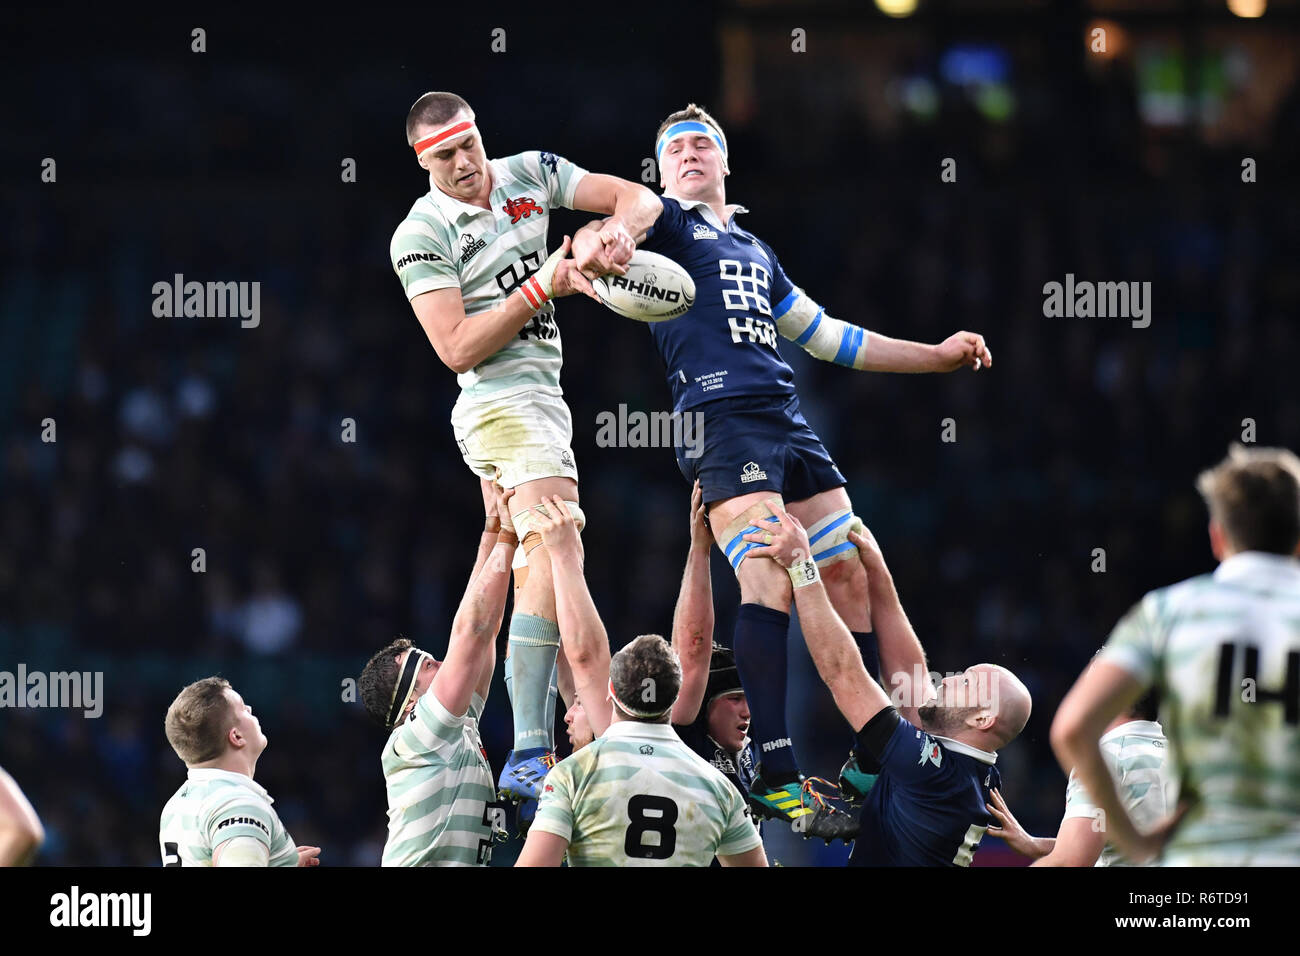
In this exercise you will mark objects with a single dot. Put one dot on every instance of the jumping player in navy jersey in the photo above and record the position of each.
(934, 754)
(723, 363)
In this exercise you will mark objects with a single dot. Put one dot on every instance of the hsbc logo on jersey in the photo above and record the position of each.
(930, 751)
(521, 208)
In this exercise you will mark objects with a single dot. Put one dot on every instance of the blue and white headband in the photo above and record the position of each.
(683, 128)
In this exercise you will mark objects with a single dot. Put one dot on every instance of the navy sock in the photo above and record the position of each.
(870, 652)
(761, 634)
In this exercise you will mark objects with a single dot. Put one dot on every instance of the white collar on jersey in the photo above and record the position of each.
(983, 756)
(640, 728)
(707, 211)
(1250, 564)
(212, 773)
(453, 208)
(1136, 728)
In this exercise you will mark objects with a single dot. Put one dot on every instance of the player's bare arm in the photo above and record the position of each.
(858, 697)
(463, 342)
(901, 656)
(1103, 692)
(497, 526)
(630, 209)
(21, 833)
(542, 849)
(693, 617)
(959, 350)
(583, 635)
(474, 629)
(754, 857)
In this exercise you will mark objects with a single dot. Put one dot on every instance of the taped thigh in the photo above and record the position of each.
(749, 521)
(829, 537)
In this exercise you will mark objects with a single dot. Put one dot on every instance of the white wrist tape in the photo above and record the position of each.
(804, 573)
(806, 324)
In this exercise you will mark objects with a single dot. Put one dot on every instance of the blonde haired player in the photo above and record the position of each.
(472, 258)
(637, 795)
(724, 366)
(221, 816)
(1223, 650)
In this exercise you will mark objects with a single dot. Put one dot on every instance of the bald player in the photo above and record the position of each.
(935, 755)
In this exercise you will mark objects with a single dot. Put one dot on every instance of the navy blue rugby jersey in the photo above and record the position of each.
(927, 807)
(726, 345)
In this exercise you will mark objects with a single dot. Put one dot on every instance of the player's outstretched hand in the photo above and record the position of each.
(600, 250)
(962, 349)
(1009, 830)
(308, 856)
(569, 279)
(868, 549)
(553, 520)
(701, 536)
(501, 506)
(784, 541)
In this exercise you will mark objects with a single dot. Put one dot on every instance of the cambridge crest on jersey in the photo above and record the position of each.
(521, 208)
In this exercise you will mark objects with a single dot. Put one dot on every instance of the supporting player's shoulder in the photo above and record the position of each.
(542, 169)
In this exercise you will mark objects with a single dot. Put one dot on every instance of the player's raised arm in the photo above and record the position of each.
(902, 659)
(21, 833)
(693, 617)
(838, 660)
(804, 322)
(463, 342)
(606, 245)
(474, 630)
(586, 644)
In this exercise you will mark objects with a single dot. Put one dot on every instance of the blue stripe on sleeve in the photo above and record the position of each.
(849, 342)
(808, 332)
(783, 306)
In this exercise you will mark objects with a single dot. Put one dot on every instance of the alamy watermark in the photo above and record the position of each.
(78, 690)
(637, 429)
(208, 300)
(917, 689)
(1102, 300)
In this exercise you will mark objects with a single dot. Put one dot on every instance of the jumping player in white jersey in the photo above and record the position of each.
(1137, 755)
(436, 772)
(661, 804)
(220, 816)
(1223, 651)
(722, 362)
(472, 259)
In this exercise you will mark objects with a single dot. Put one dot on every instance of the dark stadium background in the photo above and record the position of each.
(174, 434)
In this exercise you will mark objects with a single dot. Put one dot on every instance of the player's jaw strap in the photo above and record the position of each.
(442, 134)
(687, 128)
(636, 712)
(404, 689)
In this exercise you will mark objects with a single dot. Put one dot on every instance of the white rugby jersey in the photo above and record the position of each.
(1224, 651)
(1137, 755)
(638, 796)
(487, 253)
(213, 806)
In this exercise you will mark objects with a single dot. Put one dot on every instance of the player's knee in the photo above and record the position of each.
(846, 579)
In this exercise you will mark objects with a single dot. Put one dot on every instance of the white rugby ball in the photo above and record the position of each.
(654, 289)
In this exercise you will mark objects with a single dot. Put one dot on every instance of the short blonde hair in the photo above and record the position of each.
(198, 719)
(1254, 495)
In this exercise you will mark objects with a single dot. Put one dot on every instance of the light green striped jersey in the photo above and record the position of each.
(1224, 650)
(486, 253)
(638, 796)
(439, 787)
(213, 806)
(1137, 755)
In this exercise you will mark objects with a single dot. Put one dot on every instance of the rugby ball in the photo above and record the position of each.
(654, 289)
